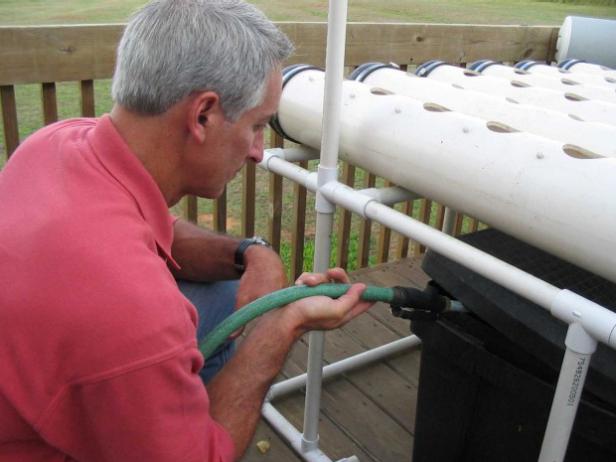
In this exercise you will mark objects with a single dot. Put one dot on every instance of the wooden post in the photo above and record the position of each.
(365, 230)
(275, 199)
(299, 227)
(87, 98)
(50, 104)
(344, 220)
(9, 118)
(248, 199)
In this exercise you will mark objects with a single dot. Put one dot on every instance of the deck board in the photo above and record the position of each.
(368, 412)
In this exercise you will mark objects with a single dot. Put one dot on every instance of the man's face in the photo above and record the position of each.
(231, 144)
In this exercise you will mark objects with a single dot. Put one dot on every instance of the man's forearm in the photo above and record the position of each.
(201, 254)
(237, 392)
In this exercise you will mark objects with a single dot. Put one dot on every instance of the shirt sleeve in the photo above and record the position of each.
(155, 411)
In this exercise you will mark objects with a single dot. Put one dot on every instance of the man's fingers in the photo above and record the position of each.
(331, 275)
(337, 275)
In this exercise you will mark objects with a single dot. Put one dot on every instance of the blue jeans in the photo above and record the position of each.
(214, 301)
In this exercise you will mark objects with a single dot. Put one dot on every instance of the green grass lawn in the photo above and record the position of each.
(27, 12)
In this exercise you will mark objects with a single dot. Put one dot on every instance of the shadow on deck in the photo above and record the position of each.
(369, 412)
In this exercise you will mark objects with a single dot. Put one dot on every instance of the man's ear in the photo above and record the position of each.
(204, 113)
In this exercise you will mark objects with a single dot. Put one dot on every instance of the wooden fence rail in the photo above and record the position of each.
(48, 55)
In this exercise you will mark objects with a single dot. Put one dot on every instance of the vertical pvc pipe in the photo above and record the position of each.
(580, 347)
(332, 108)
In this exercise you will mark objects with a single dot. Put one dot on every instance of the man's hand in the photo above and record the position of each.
(323, 313)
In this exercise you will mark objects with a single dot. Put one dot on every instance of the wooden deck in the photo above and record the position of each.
(370, 412)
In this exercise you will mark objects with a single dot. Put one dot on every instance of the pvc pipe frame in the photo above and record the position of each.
(327, 172)
(588, 321)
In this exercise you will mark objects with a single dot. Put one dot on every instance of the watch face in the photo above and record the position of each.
(260, 241)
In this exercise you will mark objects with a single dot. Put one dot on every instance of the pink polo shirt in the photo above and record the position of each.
(98, 357)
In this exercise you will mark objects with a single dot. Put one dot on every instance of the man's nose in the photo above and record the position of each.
(256, 150)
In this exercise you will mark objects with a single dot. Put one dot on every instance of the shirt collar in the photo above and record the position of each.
(115, 155)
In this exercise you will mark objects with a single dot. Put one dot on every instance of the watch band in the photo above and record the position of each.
(239, 263)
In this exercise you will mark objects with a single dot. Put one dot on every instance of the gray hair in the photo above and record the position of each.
(171, 48)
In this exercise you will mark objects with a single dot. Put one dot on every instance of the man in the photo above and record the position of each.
(99, 356)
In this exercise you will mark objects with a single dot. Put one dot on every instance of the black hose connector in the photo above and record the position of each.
(415, 304)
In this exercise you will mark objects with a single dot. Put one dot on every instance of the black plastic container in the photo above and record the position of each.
(487, 377)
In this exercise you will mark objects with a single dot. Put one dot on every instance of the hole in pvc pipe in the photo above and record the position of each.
(580, 153)
(517, 83)
(500, 127)
(471, 73)
(458, 86)
(569, 82)
(576, 117)
(575, 97)
(521, 71)
(511, 100)
(610, 80)
(380, 91)
(434, 107)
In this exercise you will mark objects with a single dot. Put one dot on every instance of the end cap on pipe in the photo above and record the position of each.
(426, 68)
(526, 64)
(287, 74)
(569, 63)
(364, 70)
(482, 64)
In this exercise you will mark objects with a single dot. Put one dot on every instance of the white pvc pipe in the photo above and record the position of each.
(590, 39)
(290, 434)
(524, 185)
(534, 67)
(576, 362)
(299, 175)
(595, 137)
(576, 66)
(347, 364)
(564, 84)
(569, 103)
(327, 171)
(390, 195)
(565, 305)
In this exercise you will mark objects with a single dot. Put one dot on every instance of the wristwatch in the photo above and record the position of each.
(240, 265)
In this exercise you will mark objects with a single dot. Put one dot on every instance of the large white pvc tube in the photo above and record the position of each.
(591, 39)
(590, 79)
(565, 84)
(575, 65)
(595, 137)
(570, 103)
(522, 184)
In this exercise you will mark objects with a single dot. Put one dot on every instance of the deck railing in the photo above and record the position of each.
(47, 55)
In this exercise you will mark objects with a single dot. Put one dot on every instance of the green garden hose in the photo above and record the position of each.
(281, 298)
